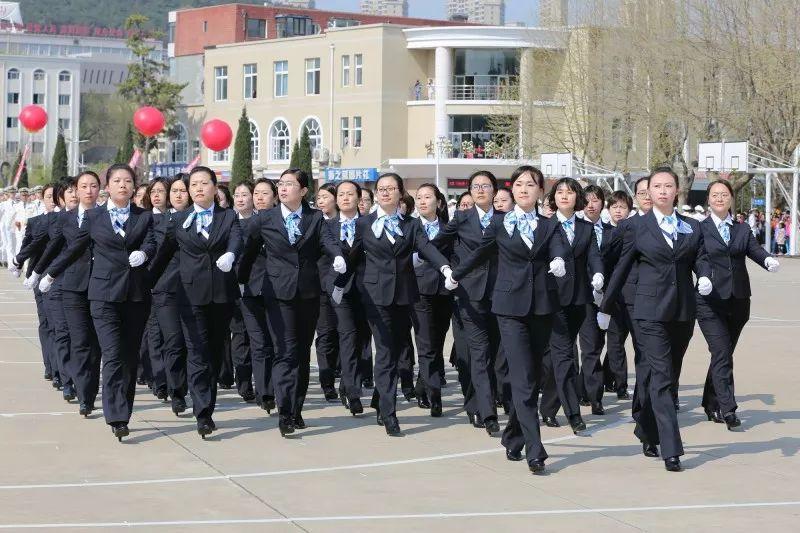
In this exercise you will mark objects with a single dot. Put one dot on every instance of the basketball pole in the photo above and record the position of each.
(795, 179)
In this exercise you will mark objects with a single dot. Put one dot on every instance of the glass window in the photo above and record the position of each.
(64, 76)
(279, 141)
(220, 83)
(314, 133)
(256, 28)
(13, 98)
(195, 148)
(345, 71)
(357, 132)
(250, 80)
(205, 26)
(63, 124)
(180, 145)
(220, 157)
(359, 61)
(255, 142)
(63, 99)
(312, 75)
(12, 147)
(38, 98)
(281, 69)
(38, 75)
(344, 131)
(37, 147)
(12, 122)
(13, 74)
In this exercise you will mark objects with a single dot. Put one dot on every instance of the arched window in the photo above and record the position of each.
(314, 133)
(180, 145)
(279, 141)
(38, 74)
(64, 76)
(13, 74)
(255, 142)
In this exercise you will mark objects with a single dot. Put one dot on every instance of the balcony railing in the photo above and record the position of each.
(484, 92)
(470, 88)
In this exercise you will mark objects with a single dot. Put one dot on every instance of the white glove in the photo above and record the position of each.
(772, 264)
(598, 298)
(225, 261)
(31, 282)
(241, 289)
(449, 283)
(337, 294)
(603, 320)
(14, 271)
(704, 286)
(46, 283)
(137, 258)
(418, 262)
(339, 265)
(557, 268)
(597, 281)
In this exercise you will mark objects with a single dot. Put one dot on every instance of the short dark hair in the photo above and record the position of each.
(271, 185)
(441, 202)
(61, 187)
(88, 173)
(299, 174)
(664, 170)
(369, 193)
(486, 174)
(396, 177)
(636, 183)
(461, 197)
(573, 185)
(535, 173)
(182, 177)
(146, 200)
(596, 190)
(246, 183)
(621, 196)
(121, 166)
(329, 187)
(226, 192)
(728, 186)
(207, 170)
(409, 202)
(48, 186)
(354, 184)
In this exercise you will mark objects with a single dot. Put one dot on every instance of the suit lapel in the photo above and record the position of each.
(540, 235)
(278, 223)
(305, 223)
(130, 224)
(652, 224)
(217, 221)
(715, 232)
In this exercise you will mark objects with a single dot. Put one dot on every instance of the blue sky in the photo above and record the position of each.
(516, 10)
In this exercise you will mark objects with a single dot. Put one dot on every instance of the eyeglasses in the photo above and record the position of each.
(386, 190)
(720, 195)
(642, 194)
(481, 186)
(288, 184)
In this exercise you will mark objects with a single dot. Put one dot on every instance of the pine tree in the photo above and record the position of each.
(294, 162)
(305, 162)
(23, 179)
(125, 152)
(242, 165)
(60, 163)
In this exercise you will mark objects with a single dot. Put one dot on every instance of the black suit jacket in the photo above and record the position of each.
(523, 285)
(254, 282)
(34, 242)
(611, 257)
(664, 289)
(582, 260)
(429, 280)
(202, 282)
(465, 234)
(728, 269)
(112, 279)
(291, 269)
(328, 277)
(389, 277)
(74, 275)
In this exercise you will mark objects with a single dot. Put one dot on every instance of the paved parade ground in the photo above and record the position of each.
(345, 474)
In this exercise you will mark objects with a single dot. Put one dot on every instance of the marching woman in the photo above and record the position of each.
(503, 200)
(351, 310)
(327, 338)
(294, 237)
(723, 313)
(667, 248)
(208, 239)
(254, 314)
(226, 373)
(168, 293)
(84, 347)
(121, 239)
(431, 313)
(385, 241)
(524, 299)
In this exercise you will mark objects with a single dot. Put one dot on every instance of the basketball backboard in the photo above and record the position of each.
(723, 156)
(556, 165)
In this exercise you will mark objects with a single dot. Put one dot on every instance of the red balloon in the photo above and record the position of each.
(216, 135)
(148, 121)
(33, 118)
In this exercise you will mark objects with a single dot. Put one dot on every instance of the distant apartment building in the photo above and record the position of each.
(486, 12)
(395, 8)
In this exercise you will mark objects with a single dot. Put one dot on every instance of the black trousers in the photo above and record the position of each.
(615, 365)
(84, 357)
(353, 330)
(144, 369)
(173, 345)
(431, 320)
(560, 372)
(721, 322)
(405, 366)
(483, 339)
(661, 344)
(206, 329)
(44, 335)
(120, 327)
(240, 352)
(389, 325)
(262, 354)
(225, 374)
(327, 343)
(59, 332)
(591, 339)
(155, 348)
(458, 352)
(525, 340)
(291, 324)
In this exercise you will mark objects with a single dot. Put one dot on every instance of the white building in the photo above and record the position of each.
(487, 12)
(389, 8)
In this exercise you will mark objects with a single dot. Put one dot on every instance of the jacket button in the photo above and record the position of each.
(296, 266)
(673, 283)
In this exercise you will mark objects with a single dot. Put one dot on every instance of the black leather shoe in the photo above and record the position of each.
(410, 395)
(577, 423)
(436, 408)
(597, 409)
(299, 423)
(513, 455)
(68, 393)
(85, 410)
(475, 420)
(422, 402)
(649, 450)
(331, 396)
(140, 381)
(550, 421)
(225, 386)
(355, 406)
(623, 395)
(286, 425)
(161, 394)
(343, 399)
(714, 416)
(248, 395)
(48, 376)
(492, 426)
(392, 426)
(536, 466)
(368, 383)
(268, 405)
(610, 388)
(120, 430)
(56, 382)
(203, 428)
(585, 403)
(732, 421)
(378, 418)
(337, 374)
(178, 406)
(673, 464)
(212, 424)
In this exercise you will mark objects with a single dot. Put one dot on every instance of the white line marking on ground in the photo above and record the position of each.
(432, 516)
(274, 473)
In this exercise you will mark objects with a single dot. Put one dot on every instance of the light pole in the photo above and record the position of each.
(74, 166)
(439, 144)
